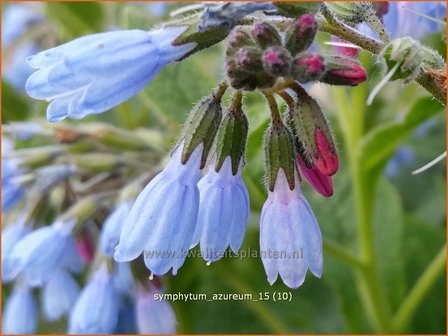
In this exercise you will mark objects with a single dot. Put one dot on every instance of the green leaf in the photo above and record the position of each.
(15, 106)
(388, 232)
(77, 18)
(379, 144)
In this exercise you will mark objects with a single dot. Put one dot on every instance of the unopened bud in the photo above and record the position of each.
(265, 35)
(249, 59)
(239, 38)
(232, 137)
(279, 151)
(201, 127)
(323, 184)
(241, 78)
(312, 133)
(405, 55)
(308, 67)
(343, 71)
(277, 61)
(300, 35)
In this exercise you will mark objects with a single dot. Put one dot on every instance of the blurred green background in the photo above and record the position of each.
(379, 146)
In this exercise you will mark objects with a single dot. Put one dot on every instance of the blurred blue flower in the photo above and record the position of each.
(290, 238)
(126, 320)
(403, 19)
(96, 310)
(403, 156)
(16, 21)
(223, 212)
(12, 190)
(94, 73)
(110, 233)
(71, 258)
(41, 252)
(11, 234)
(59, 295)
(163, 218)
(20, 314)
(154, 317)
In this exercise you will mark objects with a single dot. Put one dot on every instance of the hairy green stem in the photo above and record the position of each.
(351, 118)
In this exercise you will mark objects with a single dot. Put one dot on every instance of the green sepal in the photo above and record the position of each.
(231, 139)
(303, 120)
(280, 153)
(203, 39)
(201, 127)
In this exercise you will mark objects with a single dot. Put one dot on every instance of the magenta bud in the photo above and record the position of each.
(277, 61)
(308, 67)
(85, 247)
(265, 35)
(343, 71)
(300, 35)
(323, 184)
(327, 161)
(249, 59)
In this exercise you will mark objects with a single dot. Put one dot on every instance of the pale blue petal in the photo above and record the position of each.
(96, 310)
(20, 314)
(59, 295)
(110, 233)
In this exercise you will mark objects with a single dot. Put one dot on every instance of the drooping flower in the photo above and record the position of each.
(154, 316)
(290, 238)
(163, 218)
(59, 295)
(96, 310)
(94, 73)
(110, 233)
(41, 252)
(223, 212)
(123, 279)
(20, 314)
(11, 234)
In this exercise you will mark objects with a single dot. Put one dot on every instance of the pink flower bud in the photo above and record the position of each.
(344, 71)
(323, 184)
(265, 35)
(249, 59)
(277, 61)
(301, 34)
(85, 246)
(327, 162)
(308, 67)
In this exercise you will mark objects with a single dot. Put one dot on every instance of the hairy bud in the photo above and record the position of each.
(277, 61)
(312, 133)
(308, 67)
(343, 71)
(300, 35)
(406, 55)
(265, 35)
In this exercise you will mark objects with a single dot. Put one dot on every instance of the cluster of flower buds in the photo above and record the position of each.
(257, 56)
